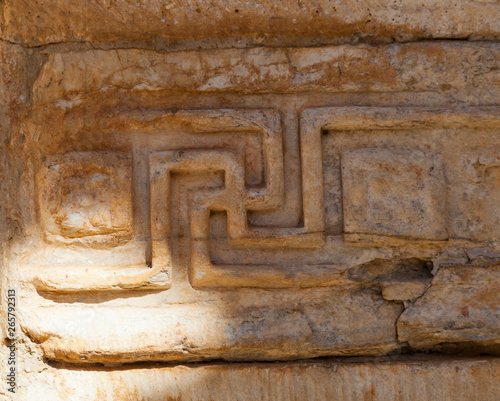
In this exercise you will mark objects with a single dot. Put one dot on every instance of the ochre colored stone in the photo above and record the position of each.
(86, 198)
(379, 380)
(461, 310)
(257, 22)
(225, 182)
(394, 191)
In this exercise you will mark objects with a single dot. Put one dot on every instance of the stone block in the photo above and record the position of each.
(274, 325)
(250, 182)
(393, 192)
(475, 176)
(459, 313)
(381, 379)
(305, 23)
(68, 79)
(86, 198)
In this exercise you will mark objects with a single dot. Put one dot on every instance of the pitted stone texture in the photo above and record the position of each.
(86, 198)
(14, 93)
(246, 325)
(395, 192)
(236, 247)
(475, 174)
(433, 66)
(376, 380)
(251, 181)
(459, 312)
(257, 22)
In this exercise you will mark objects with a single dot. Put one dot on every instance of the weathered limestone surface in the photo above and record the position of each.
(461, 306)
(414, 67)
(277, 326)
(85, 197)
(251, 181)
(256, 22)
(13, 94)
(462, 379)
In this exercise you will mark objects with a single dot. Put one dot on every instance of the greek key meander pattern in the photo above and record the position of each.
(236, 198)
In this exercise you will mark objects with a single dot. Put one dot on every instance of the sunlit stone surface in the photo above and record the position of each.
(251, 182)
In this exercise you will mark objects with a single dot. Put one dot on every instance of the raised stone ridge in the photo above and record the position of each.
(260, 22)
(232, 200)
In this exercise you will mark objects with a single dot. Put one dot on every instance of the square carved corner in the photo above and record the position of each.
(85, 198)
(396, 192)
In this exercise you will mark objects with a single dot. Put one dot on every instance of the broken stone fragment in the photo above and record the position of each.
(460, 312)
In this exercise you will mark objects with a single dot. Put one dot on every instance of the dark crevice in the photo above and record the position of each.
(217, 43)
(417, 357)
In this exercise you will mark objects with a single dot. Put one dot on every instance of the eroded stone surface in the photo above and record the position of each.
(475, 173)
(13, 94)
(256, 22)
(432, 66)
(248, 203)
(221, 206)
(422, 379)
(231, 327)
(86, 197)
(395, 191)
(460, 310)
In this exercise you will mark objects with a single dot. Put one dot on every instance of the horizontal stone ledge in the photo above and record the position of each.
(387, 379)
(276, 326)
(256, 22)
(433, 66)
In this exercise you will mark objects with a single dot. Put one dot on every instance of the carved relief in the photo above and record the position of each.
(247, 222)
(387, 194)
(86, 198)
(235, 198)
(393, 192)
(390, 169)
(227, 181)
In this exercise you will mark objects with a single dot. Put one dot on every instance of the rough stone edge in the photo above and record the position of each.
(237, 23)
(387, 379)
